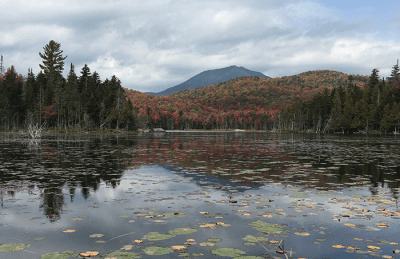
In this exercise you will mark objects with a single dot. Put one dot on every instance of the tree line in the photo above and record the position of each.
(349, 108)
(318, 101)
(50, 100)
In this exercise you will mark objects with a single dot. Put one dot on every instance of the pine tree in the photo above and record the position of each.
(53, 61)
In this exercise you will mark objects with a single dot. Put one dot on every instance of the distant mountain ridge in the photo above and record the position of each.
(210, 77)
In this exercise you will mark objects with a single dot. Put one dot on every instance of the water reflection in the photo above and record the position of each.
(61, 164)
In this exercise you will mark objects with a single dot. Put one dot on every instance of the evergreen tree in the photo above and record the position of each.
(12, 107)
(31, 92)
(395, 114)
(394, 76)
(84, 79)
(360, 119)
(71, 98)
(53, 61)
(347, 116)
(387, 120)
(372, 83)
(336, 112)
(373, 115)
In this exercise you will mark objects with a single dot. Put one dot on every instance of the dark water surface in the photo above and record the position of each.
(323, 196)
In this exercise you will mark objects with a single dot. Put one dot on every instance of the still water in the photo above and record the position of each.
(199, 195)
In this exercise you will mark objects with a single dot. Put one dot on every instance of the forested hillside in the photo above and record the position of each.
(349, 108)
(245, 103)
(50, 100)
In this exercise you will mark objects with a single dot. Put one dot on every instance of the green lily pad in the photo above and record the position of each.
(154, 236)
(156, 250)
(61, 255)
(266, 227)
(228, 252)
(122, 255)
(39, 238)
(250, 238)
(174, 215)
(12, 247)
(182, 231)
(96, 235)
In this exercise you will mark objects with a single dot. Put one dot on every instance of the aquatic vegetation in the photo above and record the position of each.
(182, 231)
(156, 250)
(266, 227)
(155, 236)
(12, 247)
(228, 252)
(250, 238)
(122, 255)
(61, 255)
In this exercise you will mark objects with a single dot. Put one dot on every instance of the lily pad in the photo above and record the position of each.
(302, 234)
(122, 255)
(96, 235)
(266, 227)
(228, 252)
(207, 244)
(180, 215)
(12, 247)
(155, 236)
(61, 255)
(156, 250)
(182, 231)
(250, 238)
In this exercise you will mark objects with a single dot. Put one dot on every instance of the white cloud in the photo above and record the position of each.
(154, 44)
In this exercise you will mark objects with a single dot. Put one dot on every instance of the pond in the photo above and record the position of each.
(199, 195)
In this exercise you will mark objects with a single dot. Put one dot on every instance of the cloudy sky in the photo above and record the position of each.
(151, 45)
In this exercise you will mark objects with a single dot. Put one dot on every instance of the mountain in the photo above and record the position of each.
(210, 77)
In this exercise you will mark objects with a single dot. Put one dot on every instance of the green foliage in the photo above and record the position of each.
(373, 106)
